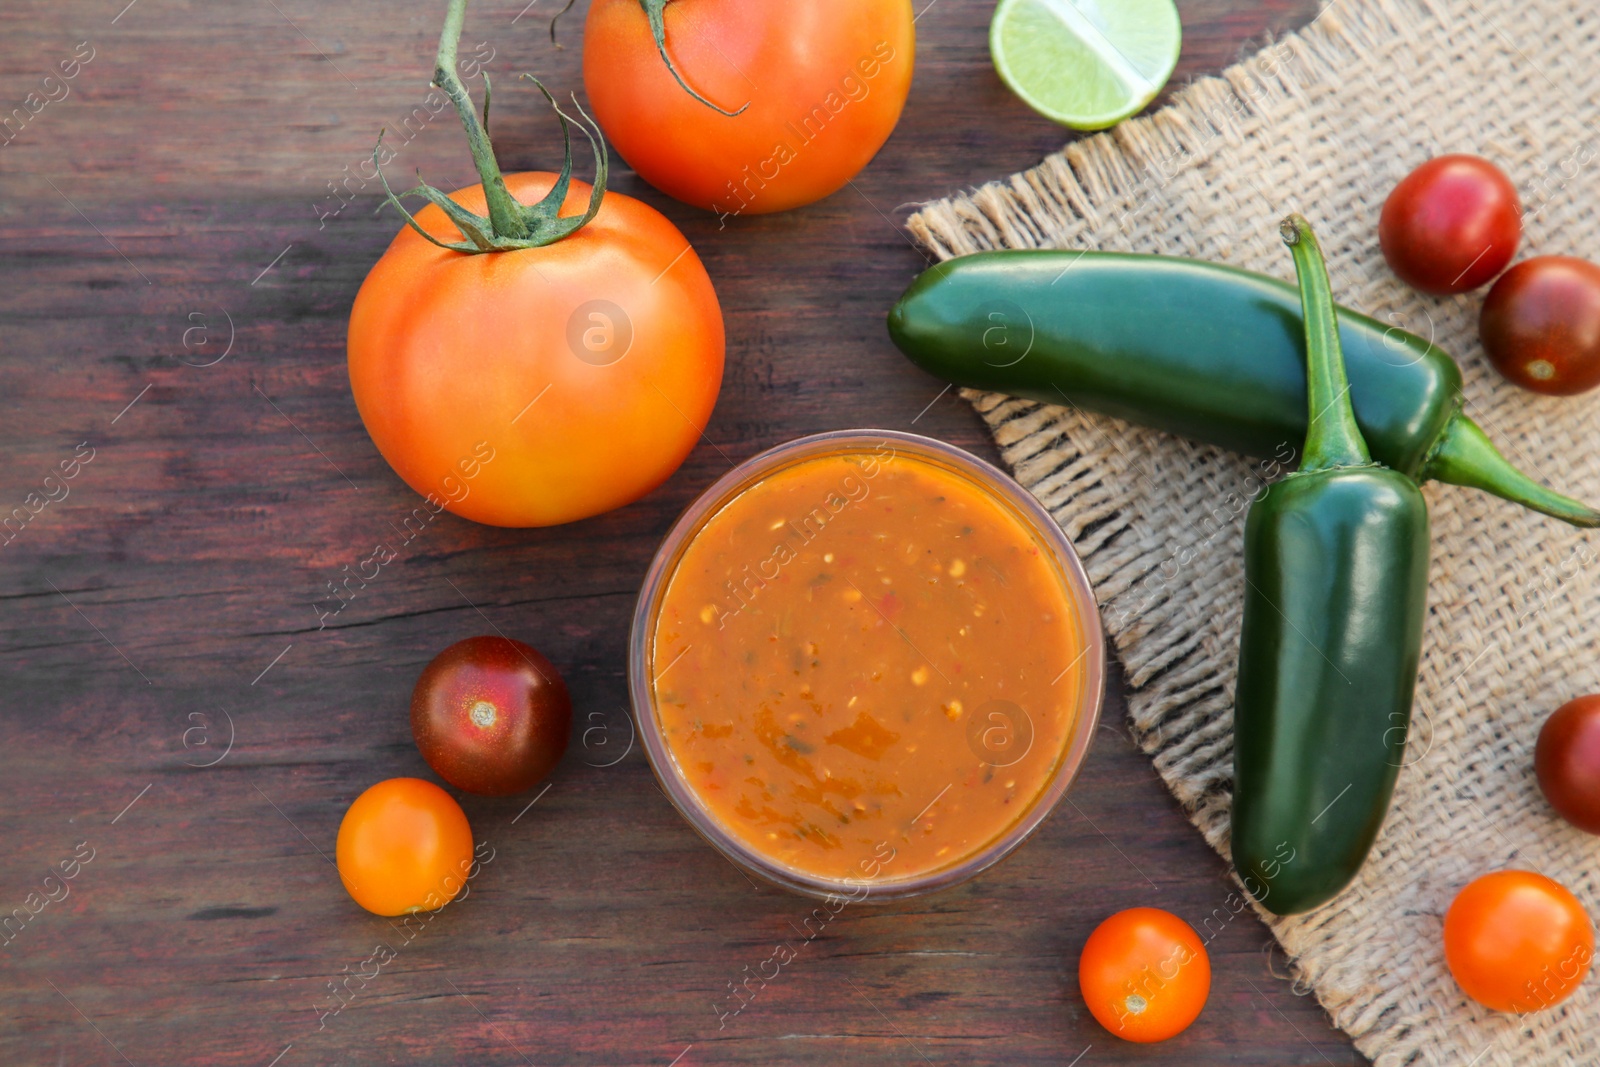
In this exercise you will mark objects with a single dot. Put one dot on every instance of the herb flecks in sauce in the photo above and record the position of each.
(840, 624)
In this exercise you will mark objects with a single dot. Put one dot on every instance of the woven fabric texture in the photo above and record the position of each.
(1325, 122)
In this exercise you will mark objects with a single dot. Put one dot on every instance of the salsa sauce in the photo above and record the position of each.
(864, 665)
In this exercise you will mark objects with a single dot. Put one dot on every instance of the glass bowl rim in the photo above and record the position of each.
(724, 489)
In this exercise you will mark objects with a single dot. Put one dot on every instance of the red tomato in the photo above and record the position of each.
(404, 846)
(824, 80)
(1144, 974)
(1517, 941)
(542, 385)
(1567, 761)
(1541, 325)
(1451, 224)
(491, 715)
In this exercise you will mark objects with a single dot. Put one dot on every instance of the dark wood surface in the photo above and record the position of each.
(178, 187)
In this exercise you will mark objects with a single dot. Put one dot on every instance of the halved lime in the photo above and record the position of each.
(1087, 64)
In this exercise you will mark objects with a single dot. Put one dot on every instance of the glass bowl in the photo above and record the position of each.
(1000, 489)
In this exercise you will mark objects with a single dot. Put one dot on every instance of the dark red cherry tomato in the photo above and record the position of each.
(1567, 761)
(1541, 325)
(491, 715)
(1451, 225)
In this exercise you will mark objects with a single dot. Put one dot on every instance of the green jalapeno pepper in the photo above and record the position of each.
(1336, 582)
(1197, 349)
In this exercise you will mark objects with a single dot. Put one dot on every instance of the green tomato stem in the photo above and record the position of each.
(510, 225)
(655, 11)
(504, 216)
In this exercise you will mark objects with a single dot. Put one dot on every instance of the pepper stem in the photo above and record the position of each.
(655, 11)
(509, 225)
(1466, 456)
(1332, 437)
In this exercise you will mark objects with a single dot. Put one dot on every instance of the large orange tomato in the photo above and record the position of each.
(539, 385)
(404, 846)
(824, 82)
(1517, 941)
(1144, 974)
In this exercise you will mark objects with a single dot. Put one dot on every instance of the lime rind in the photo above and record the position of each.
(1087, 64)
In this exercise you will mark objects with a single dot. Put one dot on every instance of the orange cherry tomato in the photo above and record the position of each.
(1144, 974)
(824, 82)
(404, 846)
(1517, 941)
(542, 385)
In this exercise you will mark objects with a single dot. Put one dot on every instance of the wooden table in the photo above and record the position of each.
(177, 201)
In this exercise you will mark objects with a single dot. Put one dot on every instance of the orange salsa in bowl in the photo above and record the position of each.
(866, 659)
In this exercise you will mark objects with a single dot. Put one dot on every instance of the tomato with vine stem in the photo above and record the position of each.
(748, 106)
(550, 359)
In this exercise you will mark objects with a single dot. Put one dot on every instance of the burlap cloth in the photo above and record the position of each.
(1325, 122)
